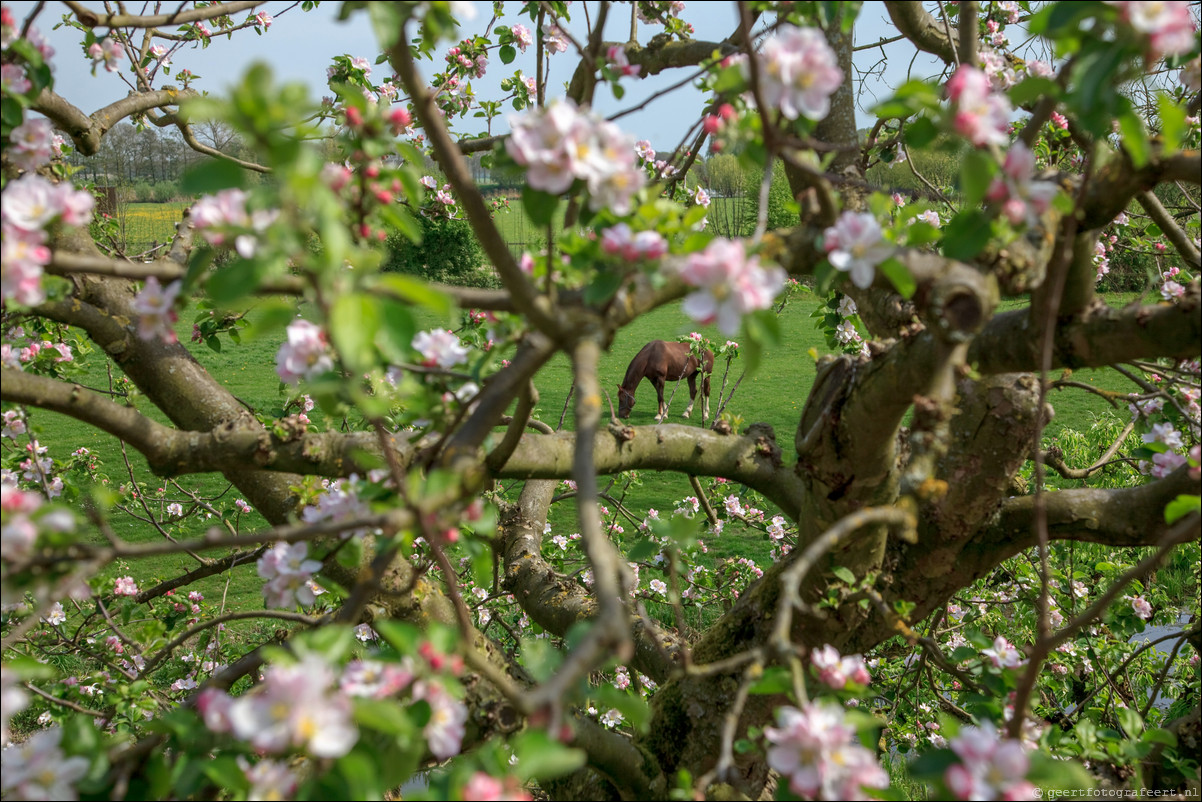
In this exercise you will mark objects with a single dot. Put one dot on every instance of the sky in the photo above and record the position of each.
(300, 45)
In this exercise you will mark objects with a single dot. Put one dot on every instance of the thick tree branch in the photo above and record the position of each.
(1100, 335)
(753, 459)
(170, 452)
(96, 20)
(555, 602)
(922, 29)
(86, 131)
(1168, 224)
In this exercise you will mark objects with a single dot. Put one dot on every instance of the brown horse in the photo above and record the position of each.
(662, 362)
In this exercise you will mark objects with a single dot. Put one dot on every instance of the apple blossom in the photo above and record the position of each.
(107, 52)
(156, 312)
(125, 586)
(816, 749)
(296, 706)
(305, 353)
(730, 283)
(856, 244)
(439, 347)
(287, 573)
(38, 769)
(800, 72)
(981, 114)
(991, 767)
(445, 729)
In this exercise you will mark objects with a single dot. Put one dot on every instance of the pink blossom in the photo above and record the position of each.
(242, 506)
(304, 355)
(14, 80)
(263, 20)
(287, 573)
(1140, 606)
(439, 347)
(554, 38)
(817, 750)
(269, 779)
(981, 114)
(856, 244)
(701, 197)
(730, 283)
(1170, 290)
(482, 786)
(617, 56)
(992, 767)
(522, 37)
(37, 768)
(22, 256)
(107, 52)
(1003, 654)
(1168, 25)
(296, 705)
(836, 671)
(376, 680)
(156, 312)
(32, 143)
(125, 586)
(215, 214)
(800, 72)
(1022, 198)
(618, 240)
(561, 144)
(444, 731)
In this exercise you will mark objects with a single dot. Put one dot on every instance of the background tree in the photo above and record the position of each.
(900, 487)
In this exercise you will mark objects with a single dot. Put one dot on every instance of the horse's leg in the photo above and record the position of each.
(692, 395)
(705, 398)
(662, 409)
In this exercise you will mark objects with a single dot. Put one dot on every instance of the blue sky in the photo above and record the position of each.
(299, 47)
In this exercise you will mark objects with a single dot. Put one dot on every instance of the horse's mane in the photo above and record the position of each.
(634, 371)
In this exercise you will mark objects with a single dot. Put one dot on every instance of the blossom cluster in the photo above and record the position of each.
(992, 767)
(561, 144)
(289, 575)
(730, 285)
(1022, 199)
(305, 354)
(31, 204)
(800, 72)
(219, 216)
(982, 115)
(856, 244)
(817, 750)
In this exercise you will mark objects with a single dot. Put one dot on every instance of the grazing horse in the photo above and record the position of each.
(662, 362)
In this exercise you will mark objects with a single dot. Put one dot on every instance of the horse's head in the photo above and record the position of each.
(625, 402)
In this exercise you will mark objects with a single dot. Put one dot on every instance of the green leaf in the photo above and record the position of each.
(1032, 89)
(399, 218)
(225, 773)
(899, 275)
(540, 206)
(508, 54)
(384, 716)
(976, 174)
(602, 287)
(1172, 122)
(540, 657)
(1157, 735)
(644, 550)
(234, 282)
(966, 235)
(633, 708)
(775, 679)
(1134, 137)
(354, 320)
(212, 175)
(844, 574)
(405, 638)
(539, 756)
(1180, 507)
(270, 318)
(921, 132)
(416, 291)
